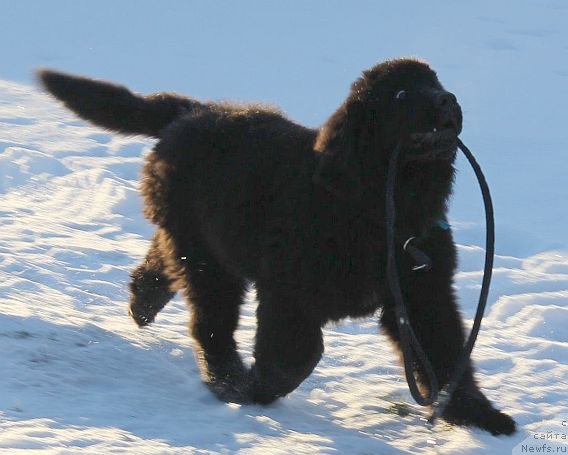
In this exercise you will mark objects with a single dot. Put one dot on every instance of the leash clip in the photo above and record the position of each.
(422, 262)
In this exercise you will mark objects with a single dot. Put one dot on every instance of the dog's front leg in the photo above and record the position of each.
(434, 316)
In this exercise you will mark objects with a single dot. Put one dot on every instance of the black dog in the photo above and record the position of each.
(241, 194)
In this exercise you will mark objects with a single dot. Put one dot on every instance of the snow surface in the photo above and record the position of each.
(75, 372)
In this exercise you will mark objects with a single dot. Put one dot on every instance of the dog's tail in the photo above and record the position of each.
(114, 107)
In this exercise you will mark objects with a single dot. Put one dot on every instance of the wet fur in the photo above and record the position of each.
(242, 194)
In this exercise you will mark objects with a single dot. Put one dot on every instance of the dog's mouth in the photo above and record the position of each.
(436, 144)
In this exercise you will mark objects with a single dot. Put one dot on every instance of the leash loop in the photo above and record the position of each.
(411, 348)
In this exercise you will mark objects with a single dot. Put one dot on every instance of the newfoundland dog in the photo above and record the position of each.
(239, 194)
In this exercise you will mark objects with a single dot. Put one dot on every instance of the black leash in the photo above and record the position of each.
(411, 348)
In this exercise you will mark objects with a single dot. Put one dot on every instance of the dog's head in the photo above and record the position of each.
(396, 103)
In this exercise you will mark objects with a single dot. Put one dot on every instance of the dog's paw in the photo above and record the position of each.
(140, 315)
(472, 408)
(498, 423)
(149, 293)
(144, 308)
(230, 391)
(494, 421)
(226, 376)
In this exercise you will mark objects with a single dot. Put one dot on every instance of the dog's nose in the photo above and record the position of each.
(449, 112)
(445, 100)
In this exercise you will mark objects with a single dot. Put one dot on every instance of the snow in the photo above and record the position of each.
(77, 375)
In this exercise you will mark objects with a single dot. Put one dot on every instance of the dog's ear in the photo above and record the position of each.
(338, 143)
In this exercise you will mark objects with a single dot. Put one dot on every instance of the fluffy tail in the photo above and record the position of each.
(115, 107)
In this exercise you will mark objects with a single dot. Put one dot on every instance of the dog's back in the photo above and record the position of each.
(223, 171)
(219, 172)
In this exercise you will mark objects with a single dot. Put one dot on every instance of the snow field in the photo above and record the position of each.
(77, 375)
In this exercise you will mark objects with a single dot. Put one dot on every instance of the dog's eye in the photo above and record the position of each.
(400, 95)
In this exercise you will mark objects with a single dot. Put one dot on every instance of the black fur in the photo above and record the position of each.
(241, 194)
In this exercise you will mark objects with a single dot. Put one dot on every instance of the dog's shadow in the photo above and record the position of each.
(85, 377)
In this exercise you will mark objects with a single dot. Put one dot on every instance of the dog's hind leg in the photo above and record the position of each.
(214, 297)
(289, 344)
(152, 287)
